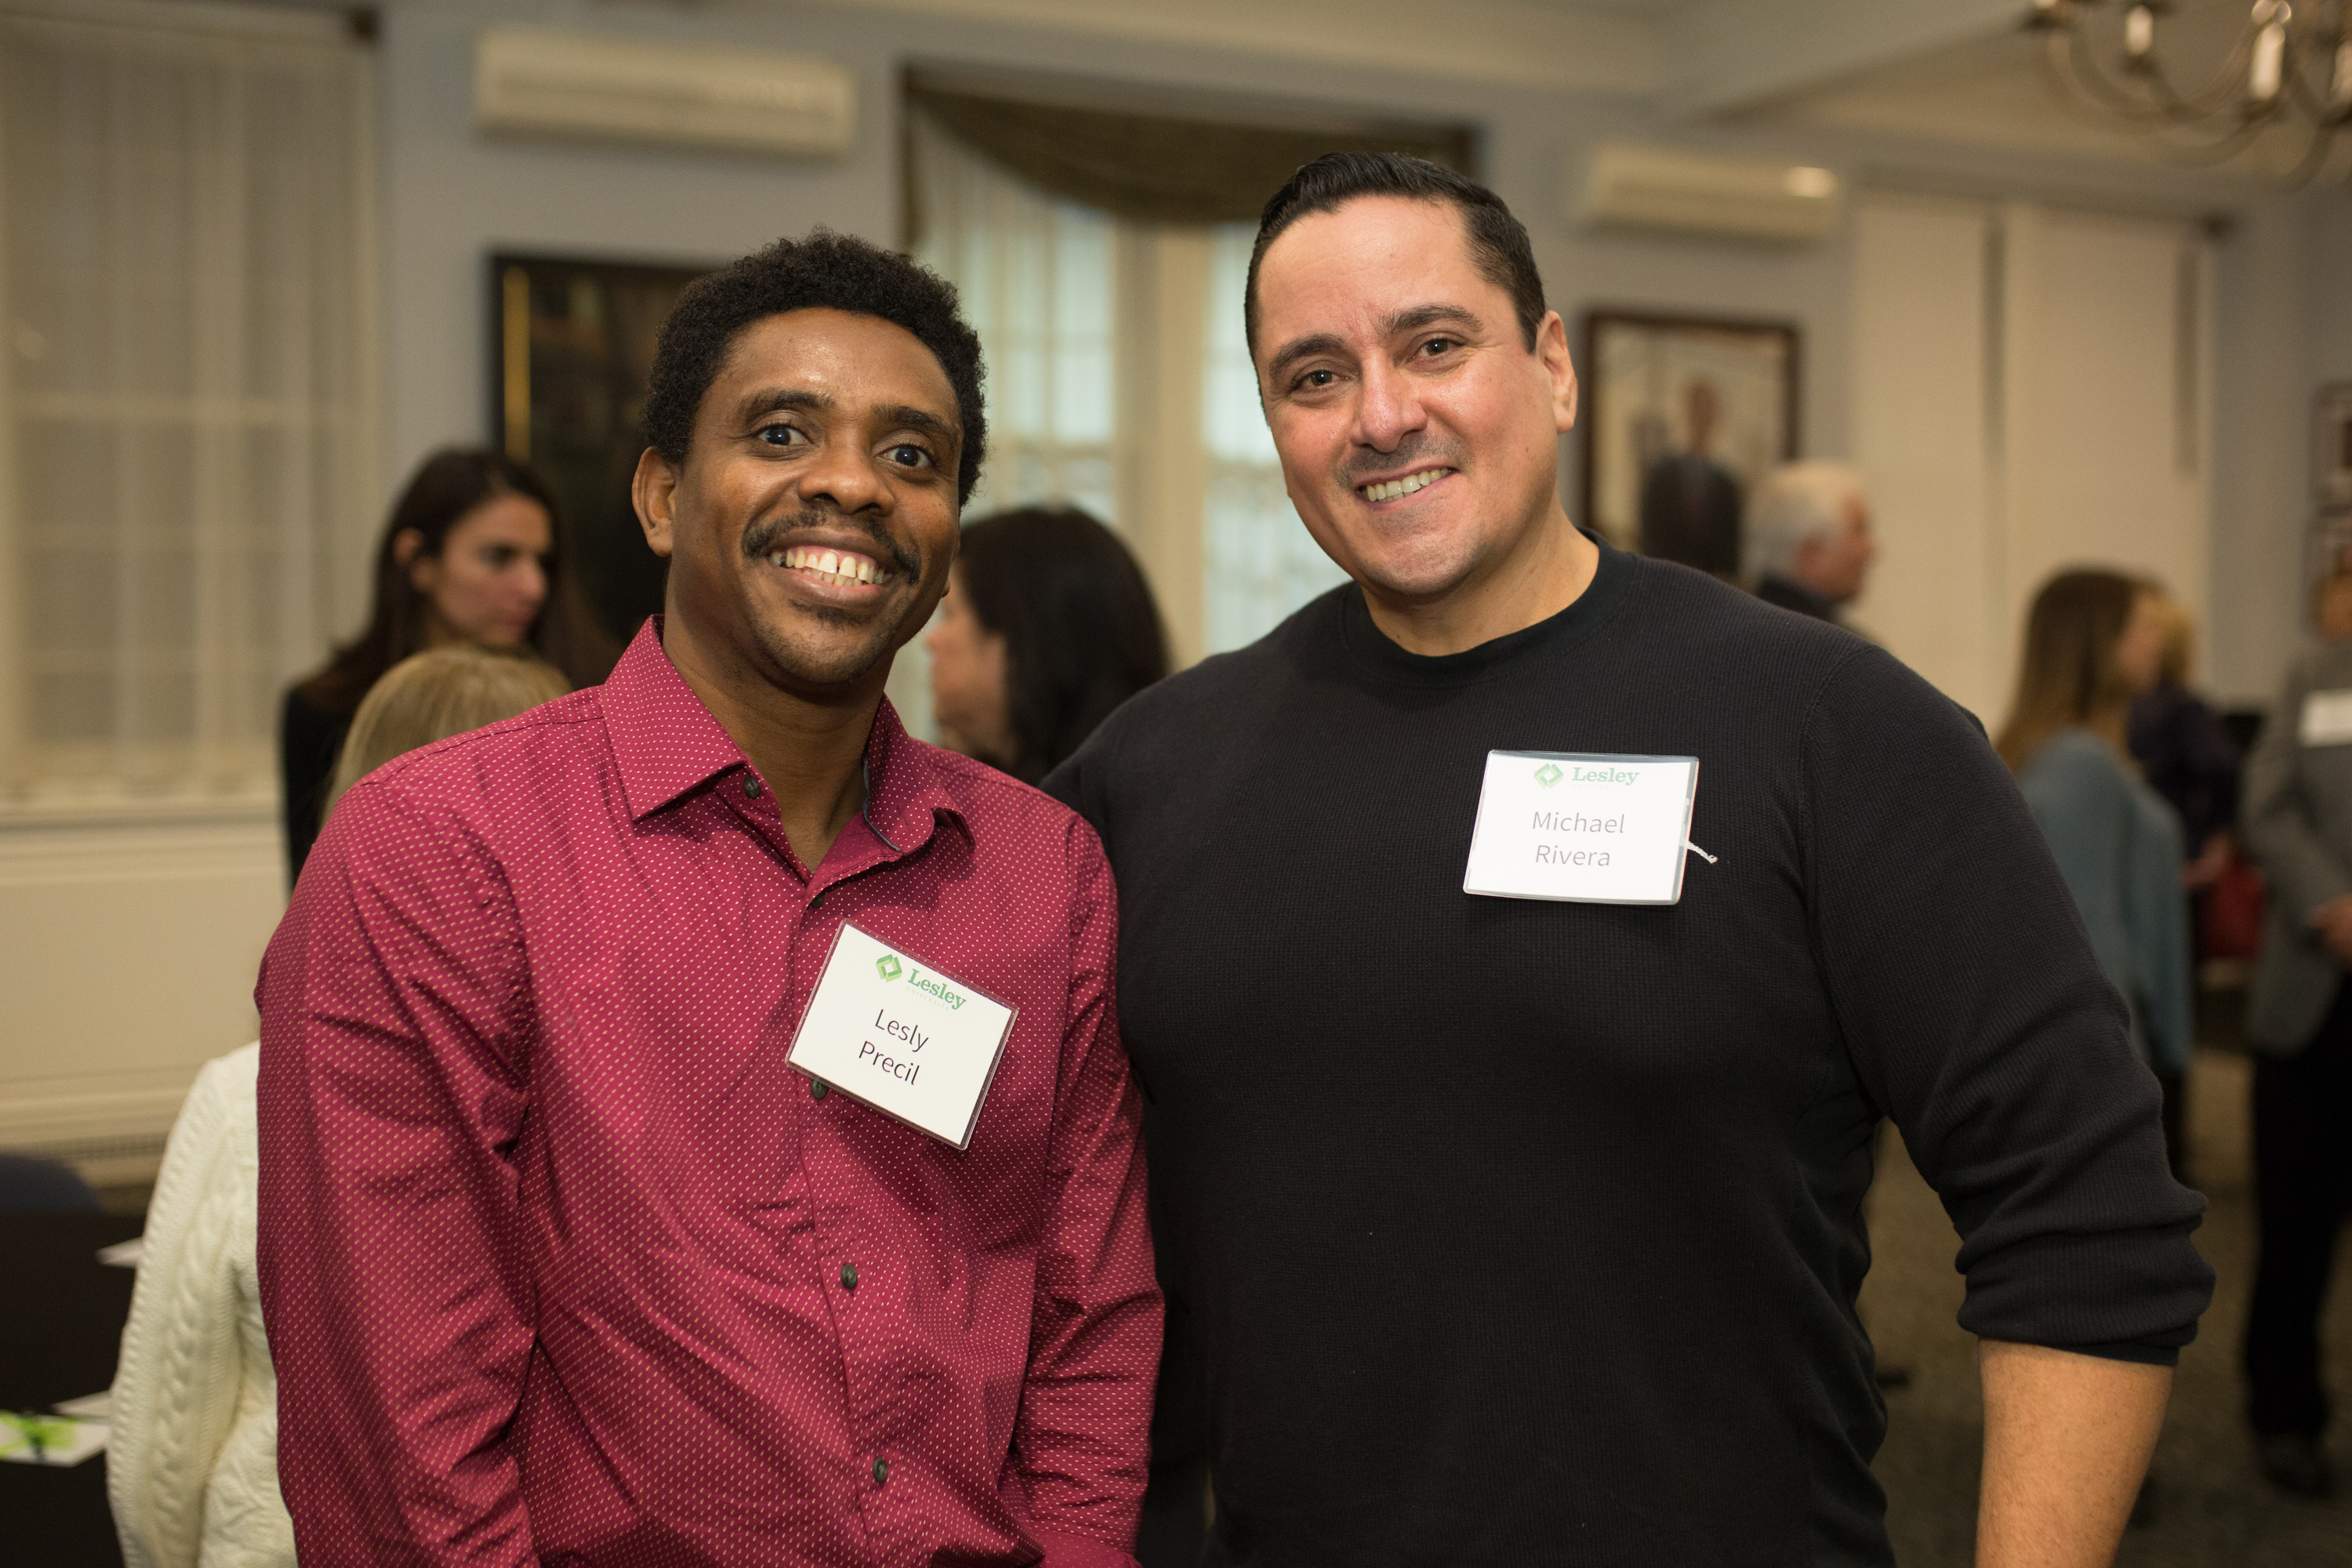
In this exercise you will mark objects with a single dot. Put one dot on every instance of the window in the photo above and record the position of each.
(1119, 380)
(186, 408)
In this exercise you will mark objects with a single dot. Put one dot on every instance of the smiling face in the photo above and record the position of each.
(811, 528)
(1418, 432)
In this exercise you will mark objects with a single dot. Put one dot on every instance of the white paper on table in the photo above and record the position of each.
(99, 1407)
(123, 1254)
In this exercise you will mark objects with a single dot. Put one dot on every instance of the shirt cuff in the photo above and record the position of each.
(2125, 1350)
(1078, 1551)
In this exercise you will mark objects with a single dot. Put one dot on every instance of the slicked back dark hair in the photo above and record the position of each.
(824, 271)
(1498, 241)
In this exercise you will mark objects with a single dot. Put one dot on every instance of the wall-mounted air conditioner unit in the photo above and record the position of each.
(1628, 187)
(536, 81)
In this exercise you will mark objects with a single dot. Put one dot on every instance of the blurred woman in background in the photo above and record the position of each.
(192, 1461)
(2093, 642)
(2187, 756)
(1047, 626)
(468, 557)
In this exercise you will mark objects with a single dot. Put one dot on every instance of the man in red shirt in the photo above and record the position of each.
(562, 1260)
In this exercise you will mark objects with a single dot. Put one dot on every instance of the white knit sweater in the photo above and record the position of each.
(191, 1456)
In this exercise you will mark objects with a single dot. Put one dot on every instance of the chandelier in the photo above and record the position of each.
(2290, 67)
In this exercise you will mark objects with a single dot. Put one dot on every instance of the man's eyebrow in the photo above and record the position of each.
(1298, 349)
(1418, 316)
(922, 419)
(775, 398)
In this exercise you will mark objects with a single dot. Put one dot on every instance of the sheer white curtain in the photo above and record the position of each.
(187, 411)
(1036, 275)
(1261, 563)
(1119, 380)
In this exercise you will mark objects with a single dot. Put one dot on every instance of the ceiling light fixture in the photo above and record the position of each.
(2284, 70)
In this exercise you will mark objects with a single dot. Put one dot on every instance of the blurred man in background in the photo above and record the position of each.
(1807, 546)
(2297, 817)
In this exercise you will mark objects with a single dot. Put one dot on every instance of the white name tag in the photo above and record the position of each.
(895, 1034)
(1582, 829)
(2327, 719)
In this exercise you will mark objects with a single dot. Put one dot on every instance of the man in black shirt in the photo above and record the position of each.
(1522, 1229)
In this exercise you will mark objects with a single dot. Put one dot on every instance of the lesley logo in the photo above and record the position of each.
(888, 967)
(1552, 773)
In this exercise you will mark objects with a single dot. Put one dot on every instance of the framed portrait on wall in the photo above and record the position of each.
(571, 343)
(1682, 416)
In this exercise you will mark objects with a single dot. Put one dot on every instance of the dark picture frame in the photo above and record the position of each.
(571, 343)
(1640, 373)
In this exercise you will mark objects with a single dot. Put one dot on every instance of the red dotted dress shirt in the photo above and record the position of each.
(563, 1264)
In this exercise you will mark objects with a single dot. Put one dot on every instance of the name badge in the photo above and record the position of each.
(896, 1034)
(2327, 719)
(1582, 829)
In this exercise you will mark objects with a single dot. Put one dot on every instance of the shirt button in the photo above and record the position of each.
(751, 785)
(881, 1471)
(849, 1276)
(817, 1087)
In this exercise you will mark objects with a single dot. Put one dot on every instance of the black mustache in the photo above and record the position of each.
(1412, 449)
(760, 538)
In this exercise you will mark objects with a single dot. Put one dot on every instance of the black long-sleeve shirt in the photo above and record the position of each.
(1521, 1231)
(310, 742)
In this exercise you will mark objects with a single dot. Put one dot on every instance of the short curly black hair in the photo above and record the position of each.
(824, 271)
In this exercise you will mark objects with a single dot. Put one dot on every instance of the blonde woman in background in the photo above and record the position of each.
(2093, 642)
(192, 1457)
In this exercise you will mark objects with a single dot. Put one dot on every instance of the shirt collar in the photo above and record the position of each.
(668, 744)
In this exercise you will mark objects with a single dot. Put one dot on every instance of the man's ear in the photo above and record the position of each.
(653, 491)
(1551, 350)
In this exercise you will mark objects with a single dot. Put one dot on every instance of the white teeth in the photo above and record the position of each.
(840, 568)
(1390, 489)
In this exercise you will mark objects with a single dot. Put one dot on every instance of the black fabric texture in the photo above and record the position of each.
(1517, 1231)
(1787, 593)
(309, 739)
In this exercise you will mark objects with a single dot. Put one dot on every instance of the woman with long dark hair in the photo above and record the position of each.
(1047, 626)
(2093, 642)
(468, 556)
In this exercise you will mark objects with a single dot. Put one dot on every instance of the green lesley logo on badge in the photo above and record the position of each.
(1552, 773)
(901, 1038)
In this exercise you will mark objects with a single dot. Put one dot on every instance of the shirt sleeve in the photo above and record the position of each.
(1979, 1019)
(1081, 1446)
(176, 1384)
(2280, 835)
(392, 1090)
